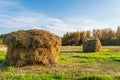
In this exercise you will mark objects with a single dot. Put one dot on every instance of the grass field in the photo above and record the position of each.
(73, 65)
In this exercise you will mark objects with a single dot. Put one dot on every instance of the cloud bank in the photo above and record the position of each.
(14, 16)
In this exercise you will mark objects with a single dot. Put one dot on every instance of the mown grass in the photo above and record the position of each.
(73, 65)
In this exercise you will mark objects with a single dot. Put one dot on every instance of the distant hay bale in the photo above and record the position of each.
(92, 45)
(32, 47)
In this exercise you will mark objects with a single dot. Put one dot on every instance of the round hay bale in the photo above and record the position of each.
(32, 47)
(92, 45)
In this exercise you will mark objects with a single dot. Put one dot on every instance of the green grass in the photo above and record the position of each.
(73, 65)
(64, 59)
(34, 76)
(8, 69)
(2, 56)
(97, 77)
(4, 68)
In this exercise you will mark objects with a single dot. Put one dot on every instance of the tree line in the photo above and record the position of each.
(106, 36)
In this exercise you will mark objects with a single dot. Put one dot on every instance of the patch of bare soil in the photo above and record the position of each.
(116, 49)
(3, 48)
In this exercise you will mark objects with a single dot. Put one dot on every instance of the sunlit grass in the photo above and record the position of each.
(73, 65)
(2, 56)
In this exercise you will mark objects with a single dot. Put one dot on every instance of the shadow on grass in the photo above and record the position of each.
(96, 77)
(72, 52)
(5, 68)
(1, 61)
(117, 60)
(76, 52)
(117, 78)
(84, 57)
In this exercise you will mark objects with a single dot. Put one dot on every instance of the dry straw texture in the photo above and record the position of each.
(92, 45)
(32, 47)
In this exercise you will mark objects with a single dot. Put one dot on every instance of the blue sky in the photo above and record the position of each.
(58, 16)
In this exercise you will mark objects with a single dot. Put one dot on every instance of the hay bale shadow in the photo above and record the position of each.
(117, 60)
(84, 57)
(71, 51)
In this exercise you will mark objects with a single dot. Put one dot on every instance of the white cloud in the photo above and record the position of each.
(25, 19)
(86, 23)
